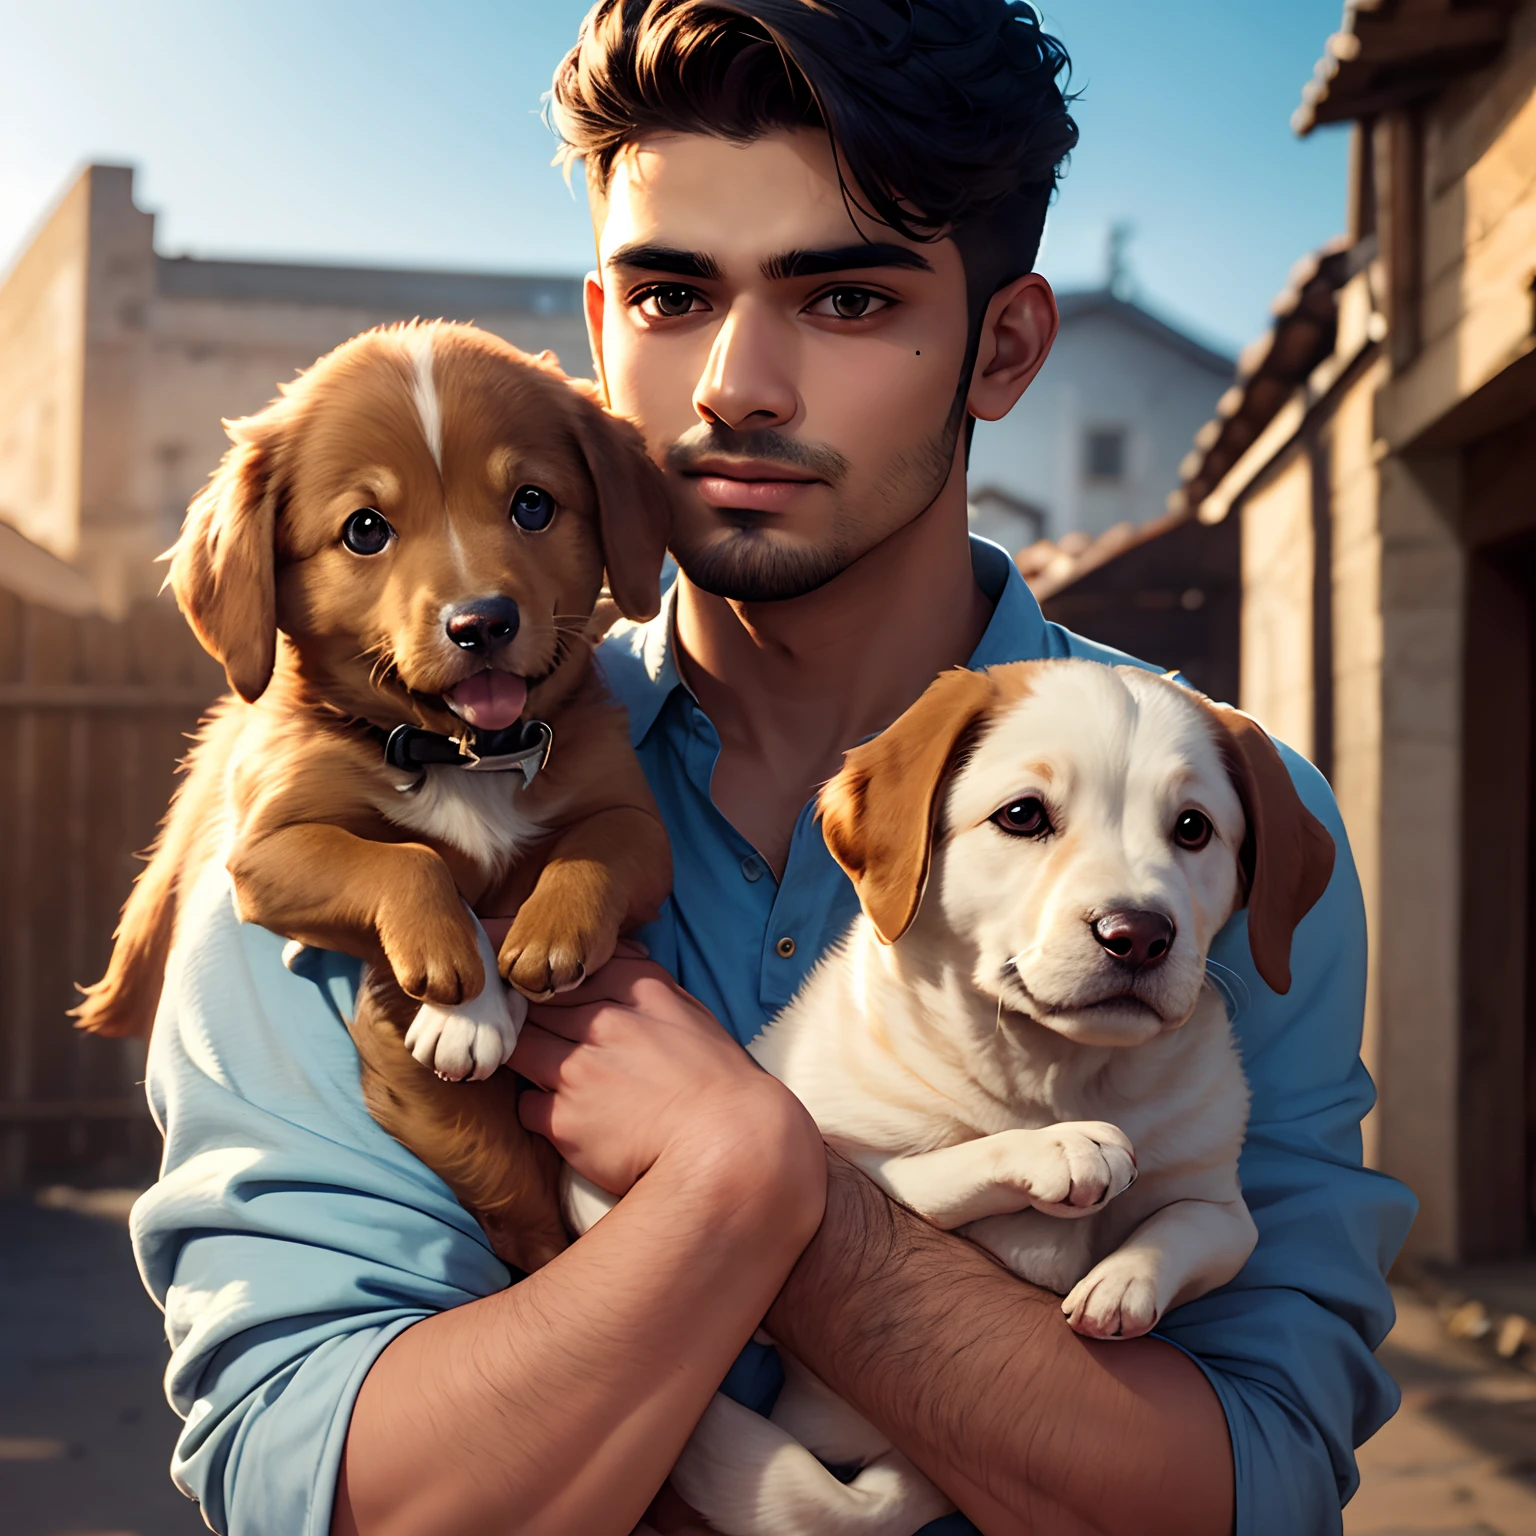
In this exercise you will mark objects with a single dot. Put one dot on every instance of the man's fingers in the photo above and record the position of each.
(539, 1055)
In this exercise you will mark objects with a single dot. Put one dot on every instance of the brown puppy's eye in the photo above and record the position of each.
(1192, 830)
(366, 532)
(1023, 818)
(533, 508)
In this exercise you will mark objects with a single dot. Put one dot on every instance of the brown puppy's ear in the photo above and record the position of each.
(1287, 854)
(634, 507)
(878, 814)
(222, 565)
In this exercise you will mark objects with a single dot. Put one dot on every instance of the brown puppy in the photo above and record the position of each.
(414, 535)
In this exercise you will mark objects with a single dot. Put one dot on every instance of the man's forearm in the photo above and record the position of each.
(977, 1377)
(560, 1404)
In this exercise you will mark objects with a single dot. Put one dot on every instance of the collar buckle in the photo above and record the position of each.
(522, 748)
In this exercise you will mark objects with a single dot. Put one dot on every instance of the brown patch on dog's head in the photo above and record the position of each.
(1287, 854)
(436, 429)
(878, 814)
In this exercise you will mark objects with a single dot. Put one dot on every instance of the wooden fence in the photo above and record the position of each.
(93, 719)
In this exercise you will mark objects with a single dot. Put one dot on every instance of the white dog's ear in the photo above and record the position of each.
(878, 814)
(1287, 854)
(222, 566)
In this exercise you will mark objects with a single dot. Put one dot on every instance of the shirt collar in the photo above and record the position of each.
(1015, 632)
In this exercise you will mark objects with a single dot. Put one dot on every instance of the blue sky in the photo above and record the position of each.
(389, 132)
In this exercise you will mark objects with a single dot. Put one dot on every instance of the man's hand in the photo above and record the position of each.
(628, 1067)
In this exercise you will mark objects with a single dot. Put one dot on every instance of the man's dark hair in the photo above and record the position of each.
(947, 115)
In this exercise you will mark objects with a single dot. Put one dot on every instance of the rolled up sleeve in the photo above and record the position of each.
(289, 1239)
(1288, 1345)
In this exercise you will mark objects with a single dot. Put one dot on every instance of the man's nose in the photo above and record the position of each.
(1134, 936)
(746, 384)
(483, 625)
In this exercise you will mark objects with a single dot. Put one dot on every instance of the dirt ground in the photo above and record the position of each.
(1460, 1457)
(85, 1433)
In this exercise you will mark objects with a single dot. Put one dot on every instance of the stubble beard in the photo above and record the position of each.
(747, 563)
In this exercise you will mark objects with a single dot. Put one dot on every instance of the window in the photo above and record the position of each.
(1104, 455)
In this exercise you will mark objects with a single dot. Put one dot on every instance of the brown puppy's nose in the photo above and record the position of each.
(484, 625)
(1134, 936)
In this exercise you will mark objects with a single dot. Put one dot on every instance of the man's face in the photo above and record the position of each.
(798, 382)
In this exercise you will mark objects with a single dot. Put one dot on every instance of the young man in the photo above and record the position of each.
(816, 224)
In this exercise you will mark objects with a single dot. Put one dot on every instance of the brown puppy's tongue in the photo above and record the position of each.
(489, 701)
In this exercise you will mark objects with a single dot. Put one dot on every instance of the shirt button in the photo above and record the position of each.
(751, 869)
(785, 947)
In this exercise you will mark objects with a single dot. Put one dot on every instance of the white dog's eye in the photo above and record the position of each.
(1192, 830)
(1023, 818)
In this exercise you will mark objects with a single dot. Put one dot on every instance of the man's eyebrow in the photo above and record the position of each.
(668, 259)
(844, 258)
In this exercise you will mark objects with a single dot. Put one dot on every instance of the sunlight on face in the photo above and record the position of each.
(794, 366)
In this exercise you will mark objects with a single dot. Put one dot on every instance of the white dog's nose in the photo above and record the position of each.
(1133, 936)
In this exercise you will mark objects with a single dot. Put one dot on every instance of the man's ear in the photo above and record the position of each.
(222, 566)
(634, 504)
(878, 814)
(1287, 855)
(592, 308)
(1016, 335)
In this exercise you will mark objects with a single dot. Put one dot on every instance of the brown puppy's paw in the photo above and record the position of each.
(433, 954)
(545, 952)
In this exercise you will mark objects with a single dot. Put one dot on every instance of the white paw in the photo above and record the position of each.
(582, 1203)
(467, 1041)
(1116, 1299)
(473, 1038)
(1071, 1169)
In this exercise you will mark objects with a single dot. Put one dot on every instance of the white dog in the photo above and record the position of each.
(1017, 1039)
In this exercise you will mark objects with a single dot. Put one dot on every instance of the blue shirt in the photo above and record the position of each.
(289, 1239)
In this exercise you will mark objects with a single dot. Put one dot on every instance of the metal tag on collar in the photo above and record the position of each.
(528, 758)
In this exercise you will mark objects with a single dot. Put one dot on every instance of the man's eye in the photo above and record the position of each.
(668, 301)
(850, 304)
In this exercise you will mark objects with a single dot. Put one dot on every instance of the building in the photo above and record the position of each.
(116, 364)
(1098, 438)
(1378, 461)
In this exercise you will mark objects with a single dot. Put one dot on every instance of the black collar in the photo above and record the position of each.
(524, 747)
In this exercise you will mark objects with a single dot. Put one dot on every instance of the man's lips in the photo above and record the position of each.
(489, 701)
(756, 487)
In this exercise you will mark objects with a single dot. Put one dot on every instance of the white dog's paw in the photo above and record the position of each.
(1071, 1169)
(471, 1040)
(582, 1203)
(1116, 1299)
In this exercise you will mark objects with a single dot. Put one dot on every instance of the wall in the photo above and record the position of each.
(1277, 562)
(42, 367)
(93, 717)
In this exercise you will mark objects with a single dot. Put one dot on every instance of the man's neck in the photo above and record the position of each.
(791, 685)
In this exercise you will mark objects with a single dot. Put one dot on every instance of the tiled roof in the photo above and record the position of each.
(1387, 53)
(1271, 368)
(1051, 566)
